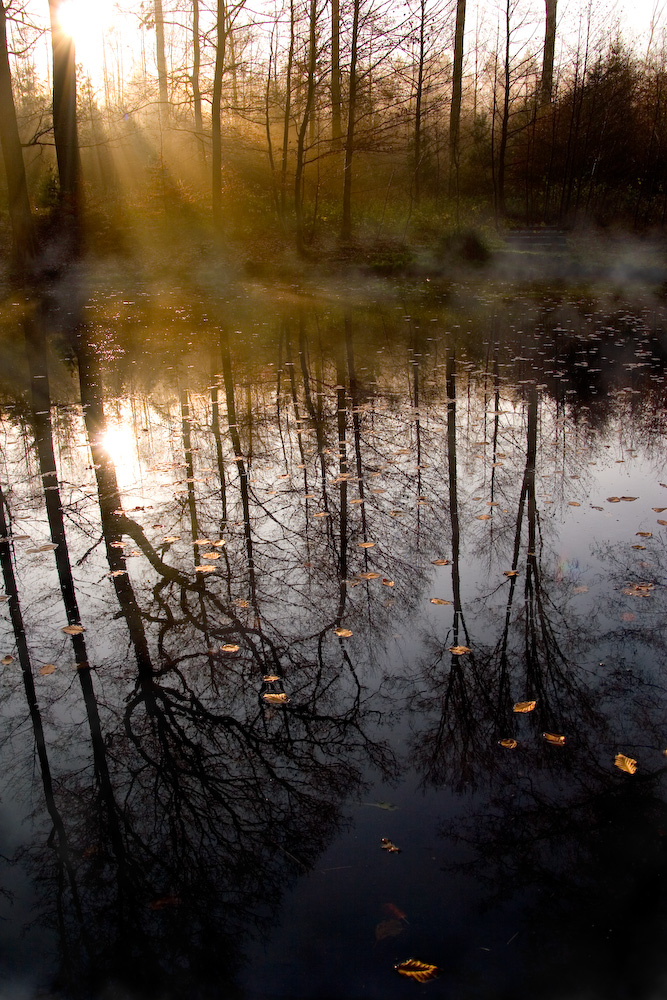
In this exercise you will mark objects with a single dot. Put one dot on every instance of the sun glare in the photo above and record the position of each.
(85, 21)
(118, 442)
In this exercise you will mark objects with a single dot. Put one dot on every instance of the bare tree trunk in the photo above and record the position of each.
(346, 228)
(64, 112)
(216, 135)
(288, 107)
(196, 62)
(418, 105)
(546, 85)
(457, 91)
(336, 127)
(310, 93)
(12, 154)
(161, 61)
(504, 123)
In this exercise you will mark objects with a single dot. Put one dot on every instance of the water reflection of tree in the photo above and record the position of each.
(194, 815)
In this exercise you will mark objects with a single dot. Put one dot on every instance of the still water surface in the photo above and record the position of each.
(277, 572)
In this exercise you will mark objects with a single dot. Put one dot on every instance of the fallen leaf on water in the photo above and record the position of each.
(344, 633)
(440, 562)
(554, 738)
(48, 668)
(509, 744)
(3, 598)
(366, 545)
(573, 503)
(661, 522)
(644, 534)
(218, 543)
(202, 541)
(394, 910)
(161, 904)
(483, 517)
(439, 600)
(210, 555)
(658, 510)
(368, 576)
(321, 513)
(6, 660)
(638, 546)
(73, 629)
(204, 569)
(459, 650)
(638, 590)
(388, 928)
(421, 972)
(171, 538)
(387, 582)
(613, 499)
(625, 763)
(629, 499)
(275, 699)
(510, 572)
(229, 647)
(387, 845)
(524, 706)
(270, 678)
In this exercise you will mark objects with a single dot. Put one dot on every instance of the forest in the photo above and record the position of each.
(323, 128)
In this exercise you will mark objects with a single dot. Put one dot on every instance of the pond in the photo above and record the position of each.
(332, 637)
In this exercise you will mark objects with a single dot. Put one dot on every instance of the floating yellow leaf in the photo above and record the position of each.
(229, 647)
(388, 928)
(661, 522)
(629, 499)
(421, 972)
(658, 510)
(171, 538)
(6, 660)
(573, 503)
(554, 738)
(639, 547)
(510, 572)
(440, 562)
(459, 650)
(48, 668)
(366, 545)
(204, 569)
(218, 543)
(439, 600)
(387, 582)
(580, 590)
(368, 576)
(202, 541)
(275, 699)
(73, 629)
(210, 555)
(118, 572)
(524, 706)
(509, 744)
(387, 845)
(625, 763)
(321, 513)
(483, 517)
(270, 678)
(644, 534)
(344, 633)
(613, 499)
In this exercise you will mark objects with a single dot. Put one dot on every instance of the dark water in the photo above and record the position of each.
(195, 787)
